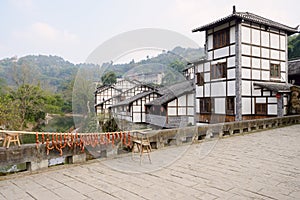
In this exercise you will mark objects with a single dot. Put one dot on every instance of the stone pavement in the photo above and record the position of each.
(261, 165)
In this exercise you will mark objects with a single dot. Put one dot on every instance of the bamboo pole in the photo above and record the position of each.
(40, 133)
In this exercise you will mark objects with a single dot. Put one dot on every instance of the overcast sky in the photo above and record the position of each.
(72, 29)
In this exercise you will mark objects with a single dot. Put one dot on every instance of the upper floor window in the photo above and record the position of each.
(218, 70)
(200, 79)
(275, 70)
(221, 38)
(189, 73)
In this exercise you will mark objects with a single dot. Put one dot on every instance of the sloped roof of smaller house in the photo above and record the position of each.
(294, 67)
(101, 87)
(195, 62)
(248, 17)
(104, 87)
(140, 85)
(133, 81)
(106, 100)
(118, 95)
(134, 98)
(275, 87)
(171, 92)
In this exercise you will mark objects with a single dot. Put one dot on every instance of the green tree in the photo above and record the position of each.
(294, 47)
(66, 91)
(177, 65)
(53, 103)
(30, 101)
(110, 126)
(9, 112)
(2, 86)
(109, 78)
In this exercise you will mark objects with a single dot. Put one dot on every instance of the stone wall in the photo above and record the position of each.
(37, 158)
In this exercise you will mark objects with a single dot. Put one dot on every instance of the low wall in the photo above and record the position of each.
(166, 137)
(37, 158)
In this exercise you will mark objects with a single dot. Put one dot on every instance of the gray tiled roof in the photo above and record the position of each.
(171, 92)
(118, 95)
(275, 87)
(194, 62)
(134, 98)
(294, 67)
(248, 17)
(106, 100)
(104, 87)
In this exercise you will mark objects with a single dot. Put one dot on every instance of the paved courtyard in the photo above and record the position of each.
(261, 165)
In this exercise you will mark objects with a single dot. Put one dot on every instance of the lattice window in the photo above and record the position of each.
(218, 70)
(200, 79)
(230, 105)
(261, 108)
(275, 70)
(221, 38)
(206, 105)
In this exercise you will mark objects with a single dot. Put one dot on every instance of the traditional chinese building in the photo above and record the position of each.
(245, 74)
(123, 101)
(108, 95)
(133, 109)
(174, 108)
(294, 72)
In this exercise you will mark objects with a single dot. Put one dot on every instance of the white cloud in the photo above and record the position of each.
(60, 37)
(44, 31)
(46, 39)
(41, 32)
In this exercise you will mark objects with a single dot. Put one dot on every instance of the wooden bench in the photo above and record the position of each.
(11, 137)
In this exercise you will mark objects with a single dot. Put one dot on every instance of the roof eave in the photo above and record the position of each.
(214, 24)
(283, 91)
(289, 30)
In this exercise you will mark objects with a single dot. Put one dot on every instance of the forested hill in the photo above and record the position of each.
(52, 72)
(176, 58)
(49, 71)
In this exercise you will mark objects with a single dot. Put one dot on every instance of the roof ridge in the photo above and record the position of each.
(250, 17)
(295, 60)
(264, 18)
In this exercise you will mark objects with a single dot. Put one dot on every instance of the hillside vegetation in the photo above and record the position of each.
(294, 47)
(32, 86)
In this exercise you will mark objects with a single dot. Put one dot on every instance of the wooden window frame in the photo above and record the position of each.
(206, 105)
(221, 38)
(230, 105)
(218, 70)
(261, 109)
(200, 78)
(275, 71)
